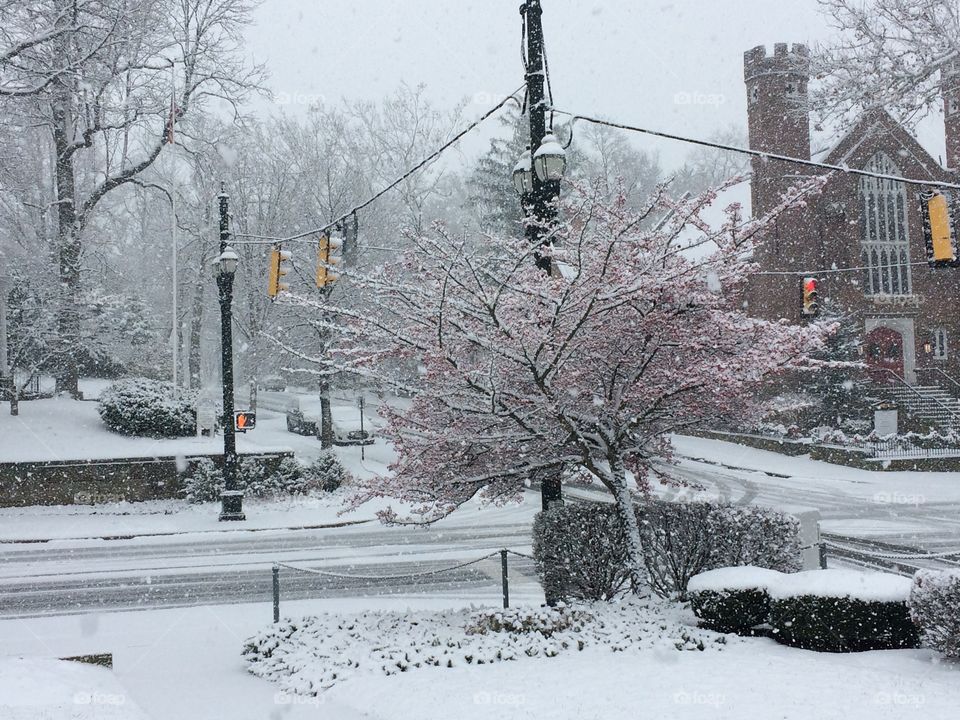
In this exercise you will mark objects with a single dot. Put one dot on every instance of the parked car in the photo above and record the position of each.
(273, 383)
(304, 418)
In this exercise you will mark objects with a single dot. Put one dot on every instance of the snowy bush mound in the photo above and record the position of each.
(149, 408)
(289, 478)
(309, 655)
(581, 550)
(732, 599)
(842, 611)
(935, 607)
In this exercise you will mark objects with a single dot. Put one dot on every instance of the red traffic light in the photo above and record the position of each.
(810, 297)
(244, 421)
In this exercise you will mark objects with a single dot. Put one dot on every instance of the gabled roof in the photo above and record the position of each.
(876, 129)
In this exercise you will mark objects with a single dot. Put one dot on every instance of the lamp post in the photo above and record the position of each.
(225, 267)
(536, 178)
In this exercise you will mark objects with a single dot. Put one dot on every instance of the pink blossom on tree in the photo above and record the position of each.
(641, 333)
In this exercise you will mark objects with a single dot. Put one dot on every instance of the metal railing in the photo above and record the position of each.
(504, 575)
(876, 555)
(904, 448)
(904, 385)
(942, 374)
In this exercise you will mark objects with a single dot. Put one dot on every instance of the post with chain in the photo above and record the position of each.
(506, 581)
(276, 593)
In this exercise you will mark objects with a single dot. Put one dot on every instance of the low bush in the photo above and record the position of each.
(326, 473)
(732, 600)
(842, 611)
(543, 620)
(203, 482)
(580, 549)
(148, 408)
(935, 608)
(255, 476)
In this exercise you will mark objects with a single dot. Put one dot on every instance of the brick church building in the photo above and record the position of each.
(870, 230)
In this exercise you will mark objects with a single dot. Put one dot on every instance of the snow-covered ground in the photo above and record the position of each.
(64, 429)
(185, 663)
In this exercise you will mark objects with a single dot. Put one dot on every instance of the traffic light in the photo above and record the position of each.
(329, 253)
(244, 420)
(277, 270)
(810, 297)
(938, 229)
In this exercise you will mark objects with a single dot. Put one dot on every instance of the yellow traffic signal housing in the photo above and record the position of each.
(811, 296)
(276, 271)
(328, 257)
(938, 230)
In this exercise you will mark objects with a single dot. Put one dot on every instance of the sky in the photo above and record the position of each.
(675, 66)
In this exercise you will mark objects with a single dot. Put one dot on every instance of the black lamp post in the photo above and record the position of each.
(536, 178)
(225, 267)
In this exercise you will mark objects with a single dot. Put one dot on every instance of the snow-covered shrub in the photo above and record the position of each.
(326, 473)
(203, 482)
(258, 480)
(580, 551)
(310, 654)
(151, 408)
(732, 599)
(544, 620)
(683, 539)
(580, 548)
(842, 611)
(935, 608)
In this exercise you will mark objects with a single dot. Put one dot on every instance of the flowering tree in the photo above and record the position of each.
(523, 374)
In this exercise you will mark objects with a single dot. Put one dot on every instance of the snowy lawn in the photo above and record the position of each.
(159, 662)
(32, 688)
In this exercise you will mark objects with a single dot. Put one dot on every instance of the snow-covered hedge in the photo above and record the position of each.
(842, 611)
(935, 607)
(150, 408)
(259, 478)
(580, 548)
(308, 655)
(732, 599)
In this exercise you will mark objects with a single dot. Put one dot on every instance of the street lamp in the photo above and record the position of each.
(225, 267)
(523, 175)
(550, 160)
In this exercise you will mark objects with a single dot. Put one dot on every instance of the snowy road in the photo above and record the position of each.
(60, 578)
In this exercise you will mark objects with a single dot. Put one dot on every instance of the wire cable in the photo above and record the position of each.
(762, 154)
(383, 191)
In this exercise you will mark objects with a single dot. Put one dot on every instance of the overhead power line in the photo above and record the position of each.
(383, 191)
(760, 153)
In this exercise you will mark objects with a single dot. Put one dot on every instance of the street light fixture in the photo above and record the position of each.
(550, 159)
(523, 175)
(225, 267)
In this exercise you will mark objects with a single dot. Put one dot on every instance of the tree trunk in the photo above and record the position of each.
(326, 417)
(69, 251)
(14, 395)
(196, 326)
(631, 529)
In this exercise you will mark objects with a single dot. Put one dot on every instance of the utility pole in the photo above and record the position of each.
(231, 498)
(540, 204)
